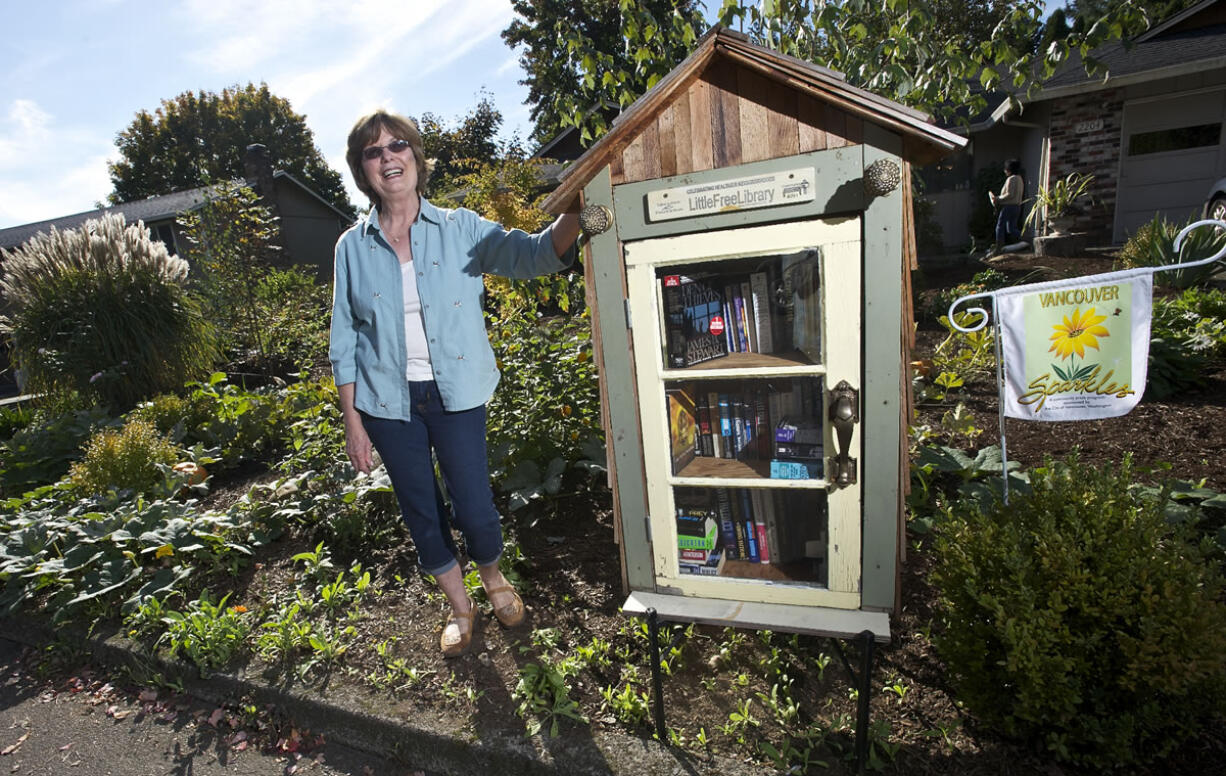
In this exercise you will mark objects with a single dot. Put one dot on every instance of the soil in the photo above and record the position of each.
(571, 581)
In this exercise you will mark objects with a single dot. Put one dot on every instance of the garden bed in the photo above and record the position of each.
(733, 693)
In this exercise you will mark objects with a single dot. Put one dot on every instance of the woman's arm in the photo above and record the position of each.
(565, 232)
(357, 442)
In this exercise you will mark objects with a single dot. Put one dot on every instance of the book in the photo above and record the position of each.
(747, 320)
(795, 470)
(717, 447)
(798, 450)
(693, 321)
(747, 522)
(682, 428)
(732, 312)
(758, 499)
(727, 435)
(799, 431)
(705, 541)
(712, 566)
(727, 528)
(706, 446)
(762, 424)
(802, 279)
(759, 286)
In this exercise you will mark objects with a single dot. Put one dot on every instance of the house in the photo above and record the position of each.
(310, 225)
(1148, 127)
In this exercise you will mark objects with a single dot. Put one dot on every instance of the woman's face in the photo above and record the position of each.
(392, 174)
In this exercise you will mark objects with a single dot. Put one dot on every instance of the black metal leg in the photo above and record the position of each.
(865, 695)
(657, 683)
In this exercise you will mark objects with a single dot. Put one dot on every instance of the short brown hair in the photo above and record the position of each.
(367, 131)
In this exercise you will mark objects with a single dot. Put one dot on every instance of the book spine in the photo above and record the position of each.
(705, 444)
(762, 424)
(674, 320)
(730, 315)
(727, 439)
(772, 525)
(759, 288)
(737, 408)
(751, 531)
(747, 318)
(717, 447)
(726, 526)
(759, 522)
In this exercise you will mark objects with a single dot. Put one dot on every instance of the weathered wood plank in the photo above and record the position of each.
(781, 120)
(700, 126)
(755, 134)
(811, 118)
(683, 152)
(725, 116)
(651, 151)
(632, 161)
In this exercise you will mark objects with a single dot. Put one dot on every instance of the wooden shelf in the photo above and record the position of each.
(757, 473)
(794, 362)
(799, 571)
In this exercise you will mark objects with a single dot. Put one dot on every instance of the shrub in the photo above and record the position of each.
(294, 311)
(125, 458)
(102, 311)
(1077, 617)
(42, 452)
(1153, 245)
(1188, 335)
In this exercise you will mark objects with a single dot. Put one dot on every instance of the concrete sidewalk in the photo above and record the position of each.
(360, 721)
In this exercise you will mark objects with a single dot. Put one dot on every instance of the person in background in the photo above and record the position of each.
(412, 363)
(1009, 205)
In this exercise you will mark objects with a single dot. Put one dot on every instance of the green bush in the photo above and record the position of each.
(41, 452)
(1153, 245)
(1187, 340)
(175, 416)
(102, 312)
(294, 312)
(124, 458)
(1077, 617)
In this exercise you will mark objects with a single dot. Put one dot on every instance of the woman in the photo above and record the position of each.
(1009, 200)
(412, 362)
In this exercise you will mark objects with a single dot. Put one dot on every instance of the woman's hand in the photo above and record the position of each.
(357, 443)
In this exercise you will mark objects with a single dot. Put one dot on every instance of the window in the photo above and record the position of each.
(1176, 139)
(165, 234)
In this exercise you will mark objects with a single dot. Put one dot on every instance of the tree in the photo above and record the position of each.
(199, 138)
(461, 148)
(907, 50)
(580, 53)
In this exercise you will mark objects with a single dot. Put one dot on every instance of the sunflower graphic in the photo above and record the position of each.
(1074, 335)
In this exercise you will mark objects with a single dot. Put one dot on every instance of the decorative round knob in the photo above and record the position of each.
(881, 177)
(595, 219)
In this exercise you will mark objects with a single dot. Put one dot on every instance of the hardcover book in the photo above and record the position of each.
(682, 428)
(694, 324)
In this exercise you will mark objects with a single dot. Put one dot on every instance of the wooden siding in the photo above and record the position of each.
(732, 115)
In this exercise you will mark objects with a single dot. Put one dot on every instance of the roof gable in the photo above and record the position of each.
(732, 101)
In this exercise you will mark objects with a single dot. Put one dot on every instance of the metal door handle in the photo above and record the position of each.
(844, 414)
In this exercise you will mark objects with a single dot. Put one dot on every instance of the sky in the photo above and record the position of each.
(73, 73)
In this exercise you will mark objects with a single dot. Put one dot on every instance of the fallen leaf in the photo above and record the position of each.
(216, 716)
(14, 747)
(65, 747)
(148, 696)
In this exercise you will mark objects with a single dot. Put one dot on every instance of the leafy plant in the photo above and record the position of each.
(1188, 337)
(129, 458)
(1153, 245)
(1057, 200)
(102, 312)
(207, 633)
(1080, 617)
(44, 450)
(544, 697)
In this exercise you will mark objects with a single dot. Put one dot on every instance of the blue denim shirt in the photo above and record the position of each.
(452, 251)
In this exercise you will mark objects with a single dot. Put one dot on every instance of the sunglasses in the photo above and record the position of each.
(374, 152)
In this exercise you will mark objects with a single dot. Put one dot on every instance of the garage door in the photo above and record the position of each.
(1171, 155)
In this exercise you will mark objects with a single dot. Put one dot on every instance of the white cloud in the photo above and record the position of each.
(49, 170)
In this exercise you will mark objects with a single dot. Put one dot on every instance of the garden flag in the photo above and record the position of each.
(1075, 349)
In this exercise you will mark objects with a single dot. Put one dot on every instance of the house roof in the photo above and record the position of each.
(1193, 40)
(150, 210)
(921, 135)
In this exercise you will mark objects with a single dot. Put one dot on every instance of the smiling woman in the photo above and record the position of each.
(412, 361)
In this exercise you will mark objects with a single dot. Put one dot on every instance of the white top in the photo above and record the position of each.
(417, 367)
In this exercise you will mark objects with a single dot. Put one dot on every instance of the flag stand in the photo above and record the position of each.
(995, 319)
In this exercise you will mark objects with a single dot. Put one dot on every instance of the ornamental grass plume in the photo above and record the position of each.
(103, 312)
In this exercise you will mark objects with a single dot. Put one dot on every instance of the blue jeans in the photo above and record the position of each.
(458, 442)
(1006, 224)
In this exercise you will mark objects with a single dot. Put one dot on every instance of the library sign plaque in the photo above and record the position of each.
(785, 187)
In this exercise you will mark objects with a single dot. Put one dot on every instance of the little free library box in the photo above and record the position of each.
(749, 247)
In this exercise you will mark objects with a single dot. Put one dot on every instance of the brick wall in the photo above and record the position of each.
(1079, 143)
